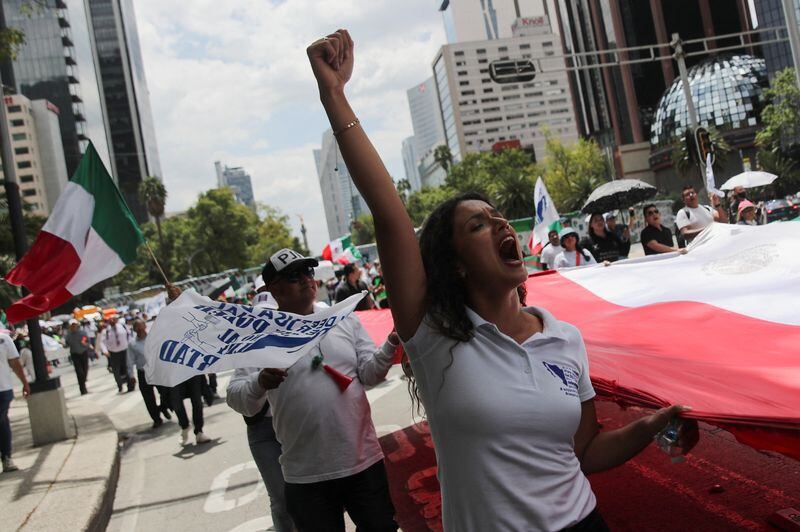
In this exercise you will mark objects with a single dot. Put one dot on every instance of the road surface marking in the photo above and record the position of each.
(216, 501)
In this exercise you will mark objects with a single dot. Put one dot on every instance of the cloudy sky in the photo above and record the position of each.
(230, 81)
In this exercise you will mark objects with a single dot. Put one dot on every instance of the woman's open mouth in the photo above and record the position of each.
(509, 251)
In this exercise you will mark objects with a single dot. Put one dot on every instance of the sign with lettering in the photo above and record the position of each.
(195, 335)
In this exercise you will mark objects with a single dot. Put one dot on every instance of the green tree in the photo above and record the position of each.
(226, 230)
(781, 116)
(783, 165)
(403, 189)
(153, 192)
(506, 178)
(572, 173)
(422, 202)
(363, 230)
(443, 157)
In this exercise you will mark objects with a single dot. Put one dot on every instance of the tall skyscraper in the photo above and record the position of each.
(238, 181)
(46, 67)
(38, 153)
(480, 114)
(411, 162)
(340, 197)
(127, 101)
(480, 20)
(769, 14)
(616, 105)
(426, 119)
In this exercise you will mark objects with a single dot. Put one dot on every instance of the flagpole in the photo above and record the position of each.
(153, 256)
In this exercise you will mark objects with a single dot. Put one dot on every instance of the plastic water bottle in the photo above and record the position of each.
(667, 440)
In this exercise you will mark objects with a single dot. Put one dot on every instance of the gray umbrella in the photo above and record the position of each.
(618, 194)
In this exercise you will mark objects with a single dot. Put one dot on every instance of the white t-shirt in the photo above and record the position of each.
(503, 417)
(549, 254)
(698, 217)
(8, 351)
(570, 259)
(325, 433)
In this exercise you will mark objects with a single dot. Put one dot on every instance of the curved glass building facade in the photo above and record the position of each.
(727, 92)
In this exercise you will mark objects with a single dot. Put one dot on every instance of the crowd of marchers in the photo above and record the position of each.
(609, 241)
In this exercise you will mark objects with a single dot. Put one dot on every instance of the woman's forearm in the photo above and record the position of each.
(613, 448)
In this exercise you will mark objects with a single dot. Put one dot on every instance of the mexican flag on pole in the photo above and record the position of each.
(341, 251)
(545, 218)
(90, 236)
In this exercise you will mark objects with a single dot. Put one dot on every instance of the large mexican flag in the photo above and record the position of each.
(90, 236)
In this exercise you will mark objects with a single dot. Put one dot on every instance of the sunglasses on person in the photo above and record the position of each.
(651, 212)
(294, 276)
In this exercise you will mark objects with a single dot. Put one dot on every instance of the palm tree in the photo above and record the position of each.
(153, 192)
(444, 157)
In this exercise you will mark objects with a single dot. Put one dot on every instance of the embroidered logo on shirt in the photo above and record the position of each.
(567, 376)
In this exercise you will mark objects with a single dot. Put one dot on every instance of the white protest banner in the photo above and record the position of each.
(195, 335)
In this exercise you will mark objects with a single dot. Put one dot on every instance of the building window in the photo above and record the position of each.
(462, 72)
(484, 71)
(546, 44)
(26, 179)
(29, 192)
(463, 83)
(495, 119)
(17, 123)
(460, 63)
(468, 93)
(549, 52)
(483, 61)
(480, 51)
(21, 151)
(515, 117)
(19, 136)
(24, 164)
(459, 53)
(14, 109)
(503, 49)
(489, 90)
(525, 46)
(489, 100)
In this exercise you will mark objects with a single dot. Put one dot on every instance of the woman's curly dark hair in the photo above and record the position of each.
(446, 293)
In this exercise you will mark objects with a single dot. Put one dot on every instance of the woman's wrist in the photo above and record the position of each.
(330, 95)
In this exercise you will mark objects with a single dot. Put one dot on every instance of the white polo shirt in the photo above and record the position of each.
(8, 351)
(698, 217)
(503, 417)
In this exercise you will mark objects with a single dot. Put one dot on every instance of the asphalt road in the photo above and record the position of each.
(164, 486)
(213, 486)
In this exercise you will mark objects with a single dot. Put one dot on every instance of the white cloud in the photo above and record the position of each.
(230, 81)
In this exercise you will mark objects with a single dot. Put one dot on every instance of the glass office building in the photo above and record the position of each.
(46, 68)
(127, 102)
(727, 94)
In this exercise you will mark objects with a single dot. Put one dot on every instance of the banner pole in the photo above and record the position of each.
(153, 256)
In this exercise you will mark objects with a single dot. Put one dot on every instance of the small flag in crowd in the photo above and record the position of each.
(341, 251)
(90, 236)
(545, 218)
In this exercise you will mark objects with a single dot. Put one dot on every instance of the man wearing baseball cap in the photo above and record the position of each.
(329, 452)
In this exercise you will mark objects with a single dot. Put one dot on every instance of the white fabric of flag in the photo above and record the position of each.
(546, 215)
(195, 335)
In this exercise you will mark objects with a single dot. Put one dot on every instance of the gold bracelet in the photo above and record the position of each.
(354, 123)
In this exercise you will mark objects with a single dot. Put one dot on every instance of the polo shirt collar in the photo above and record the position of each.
(551, 327)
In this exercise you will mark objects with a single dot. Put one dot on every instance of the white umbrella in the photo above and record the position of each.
(749, 180)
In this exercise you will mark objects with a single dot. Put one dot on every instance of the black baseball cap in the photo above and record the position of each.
(284, 261)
